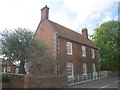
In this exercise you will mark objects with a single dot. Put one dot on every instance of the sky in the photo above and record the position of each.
(73, 14)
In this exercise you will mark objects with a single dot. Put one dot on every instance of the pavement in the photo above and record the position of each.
(112, 83)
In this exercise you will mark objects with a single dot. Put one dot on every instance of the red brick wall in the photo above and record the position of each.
(46, 34)
(50, 82)
(17, 81)
(24, 81)
(76, 58)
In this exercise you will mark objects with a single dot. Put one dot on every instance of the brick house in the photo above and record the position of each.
(7, 66)
(72, 53)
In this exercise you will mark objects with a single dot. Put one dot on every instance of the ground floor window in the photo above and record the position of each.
(70, 69)
(8, 68)
(17, 70)
(4, 69)
(93, 68)
(84, 69)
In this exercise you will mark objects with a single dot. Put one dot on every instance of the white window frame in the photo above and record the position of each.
(84, 69)
(83, 51)
(70, 69)
(93, 68)
(92, 53)
(8, 69)
(4, 69)
(17, 70)
(69, 48)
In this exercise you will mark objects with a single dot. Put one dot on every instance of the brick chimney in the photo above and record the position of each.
(85, 32)
(44, 12)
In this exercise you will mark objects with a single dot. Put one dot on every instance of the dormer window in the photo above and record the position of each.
(83, 51)
(69, 48)
(92, 53)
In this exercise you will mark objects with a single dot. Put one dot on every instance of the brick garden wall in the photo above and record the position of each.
(25, 81)
(50, 82)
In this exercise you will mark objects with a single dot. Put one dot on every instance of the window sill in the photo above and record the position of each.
(69, 54)
(83, 56)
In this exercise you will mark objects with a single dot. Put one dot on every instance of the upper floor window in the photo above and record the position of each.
(92, 53)
(83, 51)
(69, 48)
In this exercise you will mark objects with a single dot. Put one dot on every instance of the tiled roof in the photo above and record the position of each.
(71, 35)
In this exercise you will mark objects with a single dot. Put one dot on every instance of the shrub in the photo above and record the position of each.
(4, 77)
(0, 77)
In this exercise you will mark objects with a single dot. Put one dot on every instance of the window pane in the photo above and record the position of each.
(92, 53)
(93, 68)
(70, 69)
(4, 70)
(83, 51)
(84, 69)
(8, 68)
(69, 48)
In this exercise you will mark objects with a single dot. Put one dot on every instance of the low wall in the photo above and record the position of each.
(50, 82)
(18, 81)
(29, 81)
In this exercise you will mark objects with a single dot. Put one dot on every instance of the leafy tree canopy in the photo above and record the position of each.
(106, 38)
(19, 45)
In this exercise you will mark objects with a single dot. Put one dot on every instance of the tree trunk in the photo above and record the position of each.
(21, 68)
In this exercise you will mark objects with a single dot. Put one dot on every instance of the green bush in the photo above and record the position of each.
(4, 77)
(0, 77)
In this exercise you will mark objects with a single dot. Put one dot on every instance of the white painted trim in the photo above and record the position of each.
(70, 63)
(83, 51)
(71, 52)
(92, 53)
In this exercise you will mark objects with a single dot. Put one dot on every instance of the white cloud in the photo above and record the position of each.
(20, 13)
(107, 18)
(26, 13)
(87, 10)
(107, 13)
(89, 25)
(83, 8)
(116, 18)
(95, 15)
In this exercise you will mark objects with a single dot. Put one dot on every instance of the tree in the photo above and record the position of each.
(19, 45)
(106, 38)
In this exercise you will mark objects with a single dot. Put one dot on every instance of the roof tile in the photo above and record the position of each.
(70, 34)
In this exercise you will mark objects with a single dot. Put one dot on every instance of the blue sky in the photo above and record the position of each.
(74, 14)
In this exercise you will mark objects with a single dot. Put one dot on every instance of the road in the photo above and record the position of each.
(110, 82)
